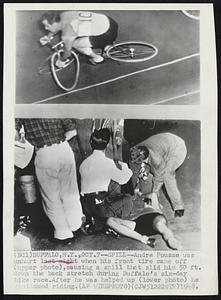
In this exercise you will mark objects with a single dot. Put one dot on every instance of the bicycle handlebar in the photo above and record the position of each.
(61, 43)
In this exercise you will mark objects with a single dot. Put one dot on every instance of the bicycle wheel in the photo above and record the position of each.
(67, 77)
(132, 51)
(193, 14)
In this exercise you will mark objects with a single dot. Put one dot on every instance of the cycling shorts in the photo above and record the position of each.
(107, 38)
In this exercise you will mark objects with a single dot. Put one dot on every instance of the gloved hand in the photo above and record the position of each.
(179, 213)
(60, 63)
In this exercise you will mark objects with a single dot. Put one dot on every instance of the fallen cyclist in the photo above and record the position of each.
(149, 222)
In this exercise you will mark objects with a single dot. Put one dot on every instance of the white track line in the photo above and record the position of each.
(120, 77)
(175, 97)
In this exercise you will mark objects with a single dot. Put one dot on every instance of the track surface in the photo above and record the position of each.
(172, 77)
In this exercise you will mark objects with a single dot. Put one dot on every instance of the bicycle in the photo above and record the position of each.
(131, 51)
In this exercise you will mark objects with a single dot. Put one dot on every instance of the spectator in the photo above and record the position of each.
(56, 174)
(96, 173)
(164, 152)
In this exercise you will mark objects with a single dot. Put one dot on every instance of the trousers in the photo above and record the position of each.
(101, 206)
(56, 174)
(167, 176)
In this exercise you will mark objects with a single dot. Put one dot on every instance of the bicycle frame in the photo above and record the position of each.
(108, 52)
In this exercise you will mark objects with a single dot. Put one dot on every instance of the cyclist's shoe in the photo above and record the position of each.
(151, 242)
(96, 60)
(148, 241)
(62, 63)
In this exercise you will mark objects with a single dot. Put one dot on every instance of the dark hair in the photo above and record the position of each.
(100, 138)
(51, 17)
(144, 151)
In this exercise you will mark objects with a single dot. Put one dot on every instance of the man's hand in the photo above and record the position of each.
(179, 213)
(45, 40)
(23, 222)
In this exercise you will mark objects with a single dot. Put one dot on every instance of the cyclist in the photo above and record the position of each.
(149, 222)
(81, 30)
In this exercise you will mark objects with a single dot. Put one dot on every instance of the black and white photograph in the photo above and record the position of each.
(105, 57)
(110, 151)
(107, 184)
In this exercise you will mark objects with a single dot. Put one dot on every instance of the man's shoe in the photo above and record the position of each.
(64, 242)
(151, 242)
(83, 231)
(78, 233)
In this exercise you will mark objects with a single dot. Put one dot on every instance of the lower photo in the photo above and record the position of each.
(107, 184)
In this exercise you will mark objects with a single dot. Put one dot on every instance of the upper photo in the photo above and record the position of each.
(108, 57)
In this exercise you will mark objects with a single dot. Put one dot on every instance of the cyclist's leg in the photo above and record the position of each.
(160, 225)
(84, 46)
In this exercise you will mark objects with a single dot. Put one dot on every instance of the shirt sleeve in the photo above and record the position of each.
(120, 176)
(158, 177)
(159, 165)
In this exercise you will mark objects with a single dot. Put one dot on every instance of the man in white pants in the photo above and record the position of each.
(56, 174)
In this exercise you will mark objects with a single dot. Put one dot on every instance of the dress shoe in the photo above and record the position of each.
(151, 242)
(68, 241)
(78, 233)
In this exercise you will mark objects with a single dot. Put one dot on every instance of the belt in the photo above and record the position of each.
(95, 197)
(93, 194)
(50, 145)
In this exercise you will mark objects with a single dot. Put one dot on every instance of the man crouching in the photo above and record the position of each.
(96, 173)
